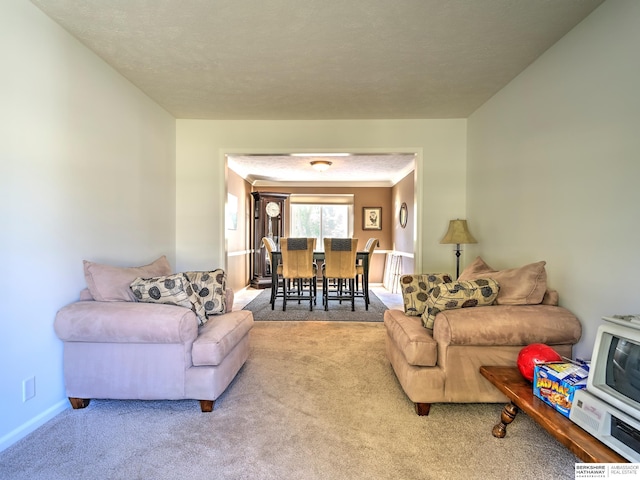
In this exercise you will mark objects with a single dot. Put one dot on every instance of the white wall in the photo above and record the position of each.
(554, 167)
(83, 154)
(201, 145)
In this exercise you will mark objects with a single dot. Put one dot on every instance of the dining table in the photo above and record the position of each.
(318, 255)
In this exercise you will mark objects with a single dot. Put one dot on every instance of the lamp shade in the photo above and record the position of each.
(458, 233)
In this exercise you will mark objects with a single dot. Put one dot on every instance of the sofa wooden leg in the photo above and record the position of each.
(422, 409)
(206, 405)
(77, 403)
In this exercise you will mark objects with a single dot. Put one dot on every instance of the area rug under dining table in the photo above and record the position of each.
(339, 312)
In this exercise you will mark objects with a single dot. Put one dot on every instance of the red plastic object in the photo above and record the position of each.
(535, 353)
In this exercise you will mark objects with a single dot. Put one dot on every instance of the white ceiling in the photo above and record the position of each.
(364, 170)
(319, 59)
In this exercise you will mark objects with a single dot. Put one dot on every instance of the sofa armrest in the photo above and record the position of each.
(507, 325)
(219, 337)
(410, 337)
(125, 322)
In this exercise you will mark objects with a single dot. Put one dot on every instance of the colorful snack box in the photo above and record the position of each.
(556, 383)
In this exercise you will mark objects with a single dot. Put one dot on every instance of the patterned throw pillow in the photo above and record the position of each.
(449, 296)
(171, 289)
(210, 288)
(416, 289)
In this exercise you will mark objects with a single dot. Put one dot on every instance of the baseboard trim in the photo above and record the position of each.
(33, 424)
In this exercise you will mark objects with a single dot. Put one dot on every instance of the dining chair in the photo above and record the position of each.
(298, 268)
(369, 247)
(340, 265)
(271, 247)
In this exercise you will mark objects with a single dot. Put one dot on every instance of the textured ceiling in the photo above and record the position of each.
(319, 59)
(356, 170)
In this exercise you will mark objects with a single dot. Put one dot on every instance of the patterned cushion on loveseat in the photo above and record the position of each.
(210, 288)
(449, 296)
(416, 289)
(170, 289)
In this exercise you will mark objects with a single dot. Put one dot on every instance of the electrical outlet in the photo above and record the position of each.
(28, 389)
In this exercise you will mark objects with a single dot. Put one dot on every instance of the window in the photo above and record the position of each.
(321, 217)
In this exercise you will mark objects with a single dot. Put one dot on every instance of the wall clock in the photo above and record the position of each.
(272, 209)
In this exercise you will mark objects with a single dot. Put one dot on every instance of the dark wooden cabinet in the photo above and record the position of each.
(268, 211)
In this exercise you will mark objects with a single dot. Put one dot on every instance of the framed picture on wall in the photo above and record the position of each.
(372, 218)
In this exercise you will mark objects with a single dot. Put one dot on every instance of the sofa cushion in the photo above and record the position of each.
(525, 285)
(551, 297)
(210, 288)
(416, 289)
(107, 283)
(217, 338)
(450, 296)
(170, 289)
(414, 341)
(85, 295)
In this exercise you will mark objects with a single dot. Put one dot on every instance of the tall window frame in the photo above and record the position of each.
(321, 206)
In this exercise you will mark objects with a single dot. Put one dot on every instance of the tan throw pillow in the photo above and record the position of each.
(111, 284)
(518, 286)
(171, 290)
(449, 296)
(210, 287)
(416, 288)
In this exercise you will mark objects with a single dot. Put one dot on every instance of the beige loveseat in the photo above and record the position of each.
(441, 364)
(118, 348)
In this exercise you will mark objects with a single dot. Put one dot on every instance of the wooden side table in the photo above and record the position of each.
(517, 389)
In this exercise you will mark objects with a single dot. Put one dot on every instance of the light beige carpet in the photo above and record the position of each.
(316, 400)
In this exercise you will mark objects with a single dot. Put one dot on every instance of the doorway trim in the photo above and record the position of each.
(418, 180)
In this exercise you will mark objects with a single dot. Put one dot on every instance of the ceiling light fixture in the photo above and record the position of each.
(320, 165)
(320, 154)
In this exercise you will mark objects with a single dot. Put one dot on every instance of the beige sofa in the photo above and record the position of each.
(442, 364)
(117, 348)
